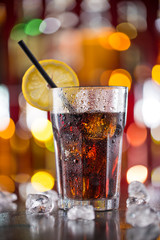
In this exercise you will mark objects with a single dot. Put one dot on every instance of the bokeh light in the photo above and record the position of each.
(18, 144)
(104, 78)
(18, 32)
(21, 177)
(119, 41)
(42, 181)
(26, 188)
(95, 5)
(6, 183)
(4, 107)
(104, 36)
(142, 72)
(137, 173)
(136, 135)
(50, 145)
(134, 12)
(127, 28)
(157, 24)
(3, 12)
(151, 112)
(151, 104)
(138, 115)
(68, 19)
(156, 73)
(49, 25)
(32, 27)
(155, 133)
(155, 177)
(9, 131)
(120, 77)
(33, 114)
(42, 130)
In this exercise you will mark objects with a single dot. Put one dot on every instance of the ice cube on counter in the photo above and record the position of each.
(39, 203)
(137, 194)
(81, 212)
(141, 215)
(7, 197)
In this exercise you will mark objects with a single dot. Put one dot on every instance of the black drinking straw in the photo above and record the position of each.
(36, 63)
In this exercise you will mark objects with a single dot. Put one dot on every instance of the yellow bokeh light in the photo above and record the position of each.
(137, 173)
(6, 183)
(9, 131)
(156, 73)
(119, 41)
(120, 77)
(42, 130)
(42, 181)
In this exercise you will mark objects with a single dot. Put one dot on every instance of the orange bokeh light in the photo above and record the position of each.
(9, 131)
(156, 73)
(104, 36)
(137, 173)
(6, 183)
(136, 135)
(120, 77)
(119, 41)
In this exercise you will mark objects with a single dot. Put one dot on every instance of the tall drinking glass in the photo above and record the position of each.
(88, 124)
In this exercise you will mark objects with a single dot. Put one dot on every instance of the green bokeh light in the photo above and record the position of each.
(32, 27)
(50, 146)
(18, 32)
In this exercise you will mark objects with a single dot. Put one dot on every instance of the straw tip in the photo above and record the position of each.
(20, 41)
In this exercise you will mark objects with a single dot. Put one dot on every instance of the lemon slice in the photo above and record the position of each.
(35, 88)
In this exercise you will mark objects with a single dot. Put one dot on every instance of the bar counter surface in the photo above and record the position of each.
(17, 225)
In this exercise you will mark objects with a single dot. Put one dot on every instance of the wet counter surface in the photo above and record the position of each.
(107, 225)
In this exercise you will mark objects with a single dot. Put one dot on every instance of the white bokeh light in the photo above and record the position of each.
(138, 115)
(4, 107)
(49, 25)
(33, 114)
(68, 19)
(151, 104)
(157, 24)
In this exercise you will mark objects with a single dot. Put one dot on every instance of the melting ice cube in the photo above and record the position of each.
(141, 215)
(138, 193)
(7, 197)
(39, 203)
(53, 195)
(81, 212)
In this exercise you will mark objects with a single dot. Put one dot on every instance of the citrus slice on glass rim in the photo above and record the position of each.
(35, 88)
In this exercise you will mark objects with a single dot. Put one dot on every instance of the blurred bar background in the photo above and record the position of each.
(106, 43)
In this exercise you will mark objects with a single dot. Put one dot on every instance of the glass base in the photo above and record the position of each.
(102, 204)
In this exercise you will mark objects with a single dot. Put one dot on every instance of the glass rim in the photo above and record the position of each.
(94, 87)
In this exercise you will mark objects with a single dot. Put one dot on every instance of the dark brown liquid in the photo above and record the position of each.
(87, 153)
